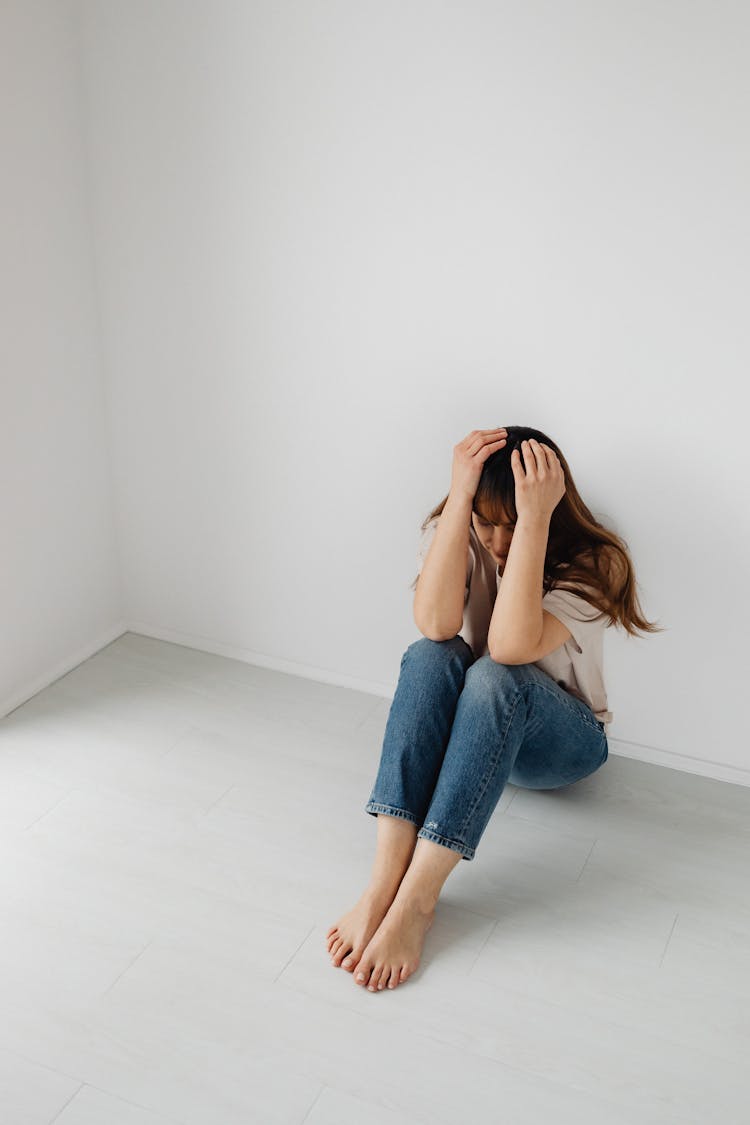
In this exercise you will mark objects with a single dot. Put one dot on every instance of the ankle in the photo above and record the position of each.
(413, 898)
(379, 893)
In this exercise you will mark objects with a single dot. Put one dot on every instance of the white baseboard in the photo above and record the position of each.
(657, 756)
(57, 671)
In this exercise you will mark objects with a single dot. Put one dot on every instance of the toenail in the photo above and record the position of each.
(347, 961)
(371, 987)
(360, 976)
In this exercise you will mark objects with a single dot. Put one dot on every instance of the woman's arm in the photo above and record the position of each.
(516, 623)
(439, 597)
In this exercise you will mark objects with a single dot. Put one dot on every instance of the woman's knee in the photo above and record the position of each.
(488, 676)
(427, 649)
(440, 647)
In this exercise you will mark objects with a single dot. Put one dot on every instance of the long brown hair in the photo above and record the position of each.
(582, 555)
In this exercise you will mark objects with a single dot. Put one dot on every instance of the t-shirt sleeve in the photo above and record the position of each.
(583, 619)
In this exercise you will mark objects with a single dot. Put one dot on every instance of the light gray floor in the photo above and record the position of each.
(180, 830)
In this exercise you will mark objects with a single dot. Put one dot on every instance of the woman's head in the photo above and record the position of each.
(580, 549)
(494, 513)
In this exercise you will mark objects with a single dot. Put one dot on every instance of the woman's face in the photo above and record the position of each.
(495, 538)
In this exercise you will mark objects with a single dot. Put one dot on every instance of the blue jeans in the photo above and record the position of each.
(459, 728)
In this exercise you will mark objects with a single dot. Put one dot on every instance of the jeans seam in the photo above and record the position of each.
(447, 842)
(586, 722)
(492, 766)
(391, 810)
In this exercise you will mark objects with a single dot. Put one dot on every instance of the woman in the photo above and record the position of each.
(518, 582)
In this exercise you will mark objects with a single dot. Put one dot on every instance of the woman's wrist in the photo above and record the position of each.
(534, 520)
(460, 504)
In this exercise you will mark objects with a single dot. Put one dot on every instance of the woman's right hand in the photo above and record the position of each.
(469, 457)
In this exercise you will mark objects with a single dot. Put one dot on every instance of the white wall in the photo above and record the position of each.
(60, 597)
(334, 237)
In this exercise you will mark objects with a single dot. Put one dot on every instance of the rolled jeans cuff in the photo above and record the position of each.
(374, 808)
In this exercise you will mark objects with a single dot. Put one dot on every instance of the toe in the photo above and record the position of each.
(348, 962)
(338, 950)
(341, 951)
(362, 974)
(392, 978)
(372, 984)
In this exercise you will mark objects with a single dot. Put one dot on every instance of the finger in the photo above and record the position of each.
(482, 433)
(478, 442)
(528, 458)
(552, 459)
(540, 459)
(486, 452)
(540, 455)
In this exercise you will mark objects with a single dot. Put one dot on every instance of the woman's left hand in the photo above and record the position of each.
(541, 487)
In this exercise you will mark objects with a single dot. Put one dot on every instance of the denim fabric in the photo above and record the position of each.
(460, 728)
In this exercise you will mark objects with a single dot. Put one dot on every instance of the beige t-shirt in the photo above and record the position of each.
(576, 666)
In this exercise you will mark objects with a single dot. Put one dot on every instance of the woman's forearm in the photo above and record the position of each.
(516, 622)
(439, 598)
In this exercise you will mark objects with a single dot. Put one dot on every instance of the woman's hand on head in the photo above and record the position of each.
(469, 457)
(540, 480)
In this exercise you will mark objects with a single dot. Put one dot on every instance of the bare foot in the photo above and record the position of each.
(394, 951)
(347, 939)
